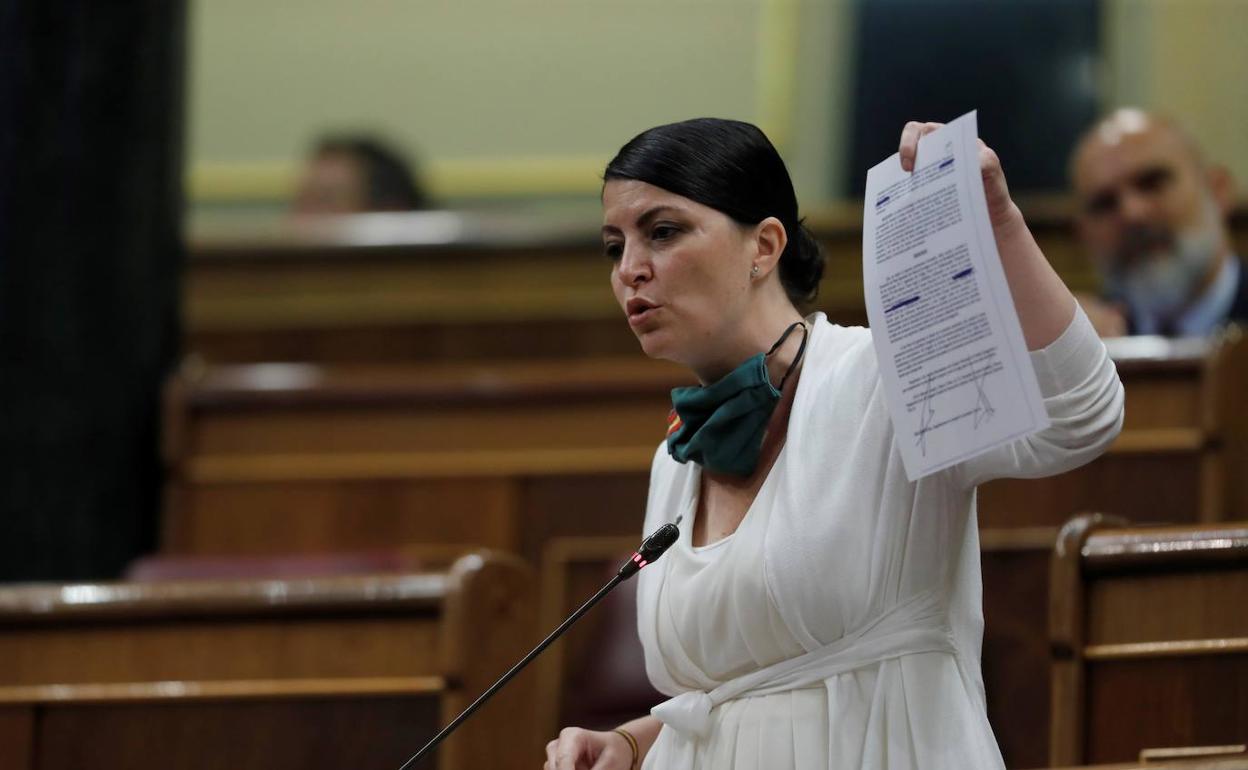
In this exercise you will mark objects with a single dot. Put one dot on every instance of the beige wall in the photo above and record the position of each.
(496, 96)
(503, 97)
(1188, 58)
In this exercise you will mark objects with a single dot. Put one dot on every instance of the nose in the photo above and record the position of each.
(634, 266)
(1135, 207)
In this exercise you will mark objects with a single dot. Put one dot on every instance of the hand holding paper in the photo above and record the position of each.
(956, 373)
(996, 193)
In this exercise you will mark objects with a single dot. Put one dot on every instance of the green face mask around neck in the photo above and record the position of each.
(721, 426)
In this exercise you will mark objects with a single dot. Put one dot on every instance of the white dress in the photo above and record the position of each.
(836, 540)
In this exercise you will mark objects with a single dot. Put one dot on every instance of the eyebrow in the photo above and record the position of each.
(1153, 172)
(645, 217)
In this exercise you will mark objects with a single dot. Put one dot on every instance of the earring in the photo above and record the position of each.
(754, 270)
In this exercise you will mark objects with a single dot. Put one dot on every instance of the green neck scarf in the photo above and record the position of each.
(721, 426)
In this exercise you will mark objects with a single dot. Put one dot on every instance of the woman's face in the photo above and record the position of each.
(680, 270)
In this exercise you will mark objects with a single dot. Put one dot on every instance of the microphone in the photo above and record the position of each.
(649, 552)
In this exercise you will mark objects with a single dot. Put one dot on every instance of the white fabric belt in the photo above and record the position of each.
(918, 624)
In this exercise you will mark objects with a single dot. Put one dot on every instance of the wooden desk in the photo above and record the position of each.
(1149, 638)
(1181, 453)
(454, 285)
(267, 666)
(290, 457)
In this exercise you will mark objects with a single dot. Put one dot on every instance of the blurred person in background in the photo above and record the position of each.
(1152, 214)
(355, 174)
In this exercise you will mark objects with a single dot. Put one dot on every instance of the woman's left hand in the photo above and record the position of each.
(1001, 208)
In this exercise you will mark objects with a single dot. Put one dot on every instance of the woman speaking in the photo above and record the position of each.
(819, 609)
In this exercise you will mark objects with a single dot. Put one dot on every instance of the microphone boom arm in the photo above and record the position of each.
(651, 549)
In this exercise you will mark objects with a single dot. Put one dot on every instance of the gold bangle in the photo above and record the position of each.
(632, 744)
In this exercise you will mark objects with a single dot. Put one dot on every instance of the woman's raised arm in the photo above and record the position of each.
(1045, 306)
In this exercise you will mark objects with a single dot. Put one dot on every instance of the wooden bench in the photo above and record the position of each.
(274, 458)
(284, 457)
(432, 285)
(1184, 435)
(267, 673)
(1183, 440)
(1149, 635)
(448, 285)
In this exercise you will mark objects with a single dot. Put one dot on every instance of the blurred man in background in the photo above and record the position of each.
(1153, 216)
(356, 174)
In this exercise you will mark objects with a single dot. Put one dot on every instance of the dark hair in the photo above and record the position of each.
(391, 186)
(731, 167)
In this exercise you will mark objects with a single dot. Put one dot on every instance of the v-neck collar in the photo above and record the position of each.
(693, 487)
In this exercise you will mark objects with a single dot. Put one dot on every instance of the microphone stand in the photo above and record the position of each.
(651, 549)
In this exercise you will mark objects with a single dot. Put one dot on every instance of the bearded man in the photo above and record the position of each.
(1153, 217)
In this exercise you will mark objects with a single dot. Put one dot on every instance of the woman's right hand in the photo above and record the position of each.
(577, 749)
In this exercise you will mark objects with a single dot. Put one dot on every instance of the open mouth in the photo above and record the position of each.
(639, 310)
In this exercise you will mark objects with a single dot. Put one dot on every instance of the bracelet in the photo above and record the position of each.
(632, 744)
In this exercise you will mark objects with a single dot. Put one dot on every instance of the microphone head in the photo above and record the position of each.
(651, 549)
(659, 541)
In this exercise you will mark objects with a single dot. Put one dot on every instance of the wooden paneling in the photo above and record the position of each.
(368, 643)
(387, 289)
(250, 727)
(314, 515)
(210, 649)
(1136, 703)
(1015, 656)
(1210, 604)
(1177, 458)
(278, 459)
(1160, 486)
(17, 736)
(588, 505)
(1149, 638)
(367, 341)
(281, 458)
(394, 289)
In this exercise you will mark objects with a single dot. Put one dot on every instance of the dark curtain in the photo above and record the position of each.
(91, 100)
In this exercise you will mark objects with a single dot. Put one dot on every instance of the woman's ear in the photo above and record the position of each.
(769, 242)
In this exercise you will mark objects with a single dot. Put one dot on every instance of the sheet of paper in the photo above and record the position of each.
(957, 376)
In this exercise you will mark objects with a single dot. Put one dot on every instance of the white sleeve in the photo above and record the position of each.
(1084, 400)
